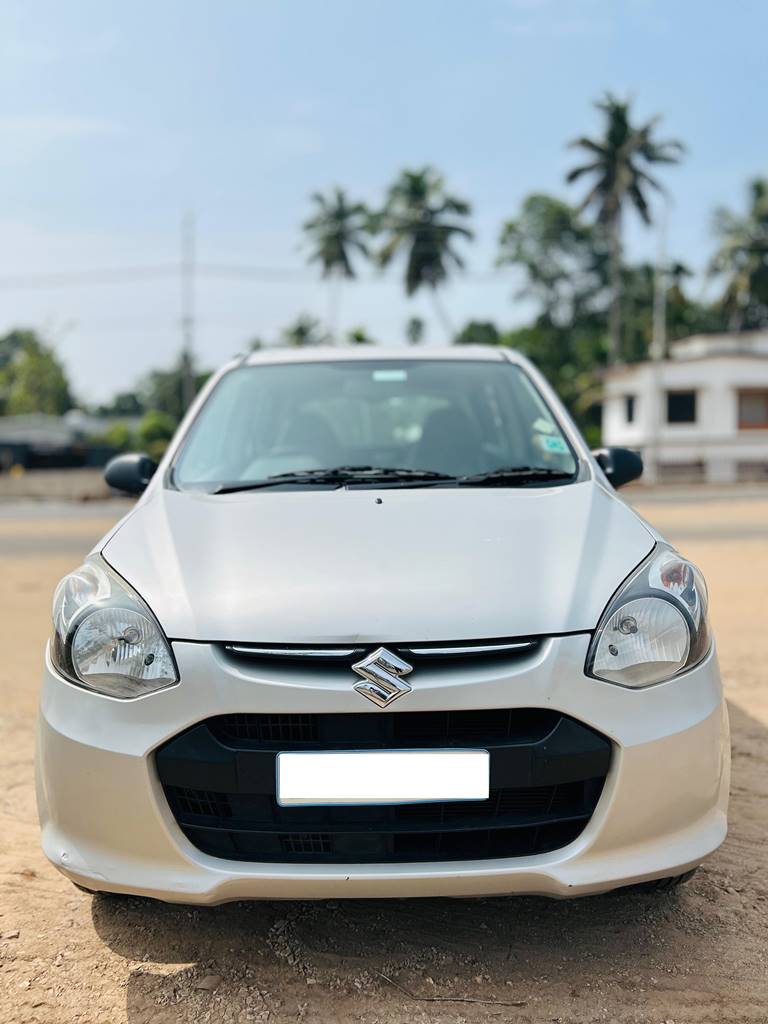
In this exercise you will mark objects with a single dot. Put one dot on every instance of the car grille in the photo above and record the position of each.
(547, 773)
(434, 653)
(434, 727)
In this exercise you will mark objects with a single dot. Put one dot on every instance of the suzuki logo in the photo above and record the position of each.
(382, 672)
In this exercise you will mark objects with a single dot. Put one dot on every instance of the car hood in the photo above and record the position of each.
(378, 565)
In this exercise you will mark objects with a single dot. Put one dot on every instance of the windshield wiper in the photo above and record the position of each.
(338, 475)
(514, 476)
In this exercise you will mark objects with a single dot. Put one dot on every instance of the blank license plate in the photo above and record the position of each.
(381, 777)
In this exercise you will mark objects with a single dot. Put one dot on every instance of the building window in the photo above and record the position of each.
(752, 472)
(681, 472)
(681, 407)
(753, 409)
(629, 408)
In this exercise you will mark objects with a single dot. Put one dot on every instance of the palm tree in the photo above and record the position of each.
(359, 336)
(421, 220)
(304, 331)
(742, 257)
(618, 163)
(336, 231)
(414, 330)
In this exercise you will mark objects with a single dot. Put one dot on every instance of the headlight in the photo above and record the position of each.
(105, 638)
(655, 626)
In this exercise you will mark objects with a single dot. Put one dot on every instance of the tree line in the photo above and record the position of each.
(592, 307)
(32, 380)
(550, 240)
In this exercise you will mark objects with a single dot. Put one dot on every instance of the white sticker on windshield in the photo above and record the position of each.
(543, 426)
(385, 375)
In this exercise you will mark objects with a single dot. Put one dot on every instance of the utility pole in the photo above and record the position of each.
(187, 276)
(658, 344)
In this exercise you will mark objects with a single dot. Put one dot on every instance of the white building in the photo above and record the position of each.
(701, 414)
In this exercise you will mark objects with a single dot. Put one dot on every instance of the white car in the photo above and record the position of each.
(380, 625)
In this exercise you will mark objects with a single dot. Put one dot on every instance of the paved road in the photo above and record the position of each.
(629, 958)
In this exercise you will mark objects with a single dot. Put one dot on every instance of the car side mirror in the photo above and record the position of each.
(130, 473)
(620, 465)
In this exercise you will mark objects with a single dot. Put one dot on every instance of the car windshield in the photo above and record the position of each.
(398, 420)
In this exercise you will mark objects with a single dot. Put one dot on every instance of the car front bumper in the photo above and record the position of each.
(107, 825)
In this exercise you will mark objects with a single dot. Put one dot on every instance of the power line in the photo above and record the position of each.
(188, 270)
(221, 271)
(75, 278)
(288, 274)
(266, 274)
(203, 321)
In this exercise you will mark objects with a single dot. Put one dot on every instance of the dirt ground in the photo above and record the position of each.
(696, 956)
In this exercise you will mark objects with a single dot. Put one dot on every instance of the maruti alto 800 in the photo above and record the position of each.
(380, 625)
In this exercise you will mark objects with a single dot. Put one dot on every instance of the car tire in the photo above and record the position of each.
(668, 884)
(82, 888)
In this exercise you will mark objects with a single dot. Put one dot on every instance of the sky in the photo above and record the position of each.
(116, 119)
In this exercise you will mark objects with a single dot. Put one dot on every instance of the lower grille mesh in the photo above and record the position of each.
(424, 726)
(547, 773)
(201, 803)
(268, 728)
(308, 844)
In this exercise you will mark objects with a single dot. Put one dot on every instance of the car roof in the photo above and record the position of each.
(326, 353)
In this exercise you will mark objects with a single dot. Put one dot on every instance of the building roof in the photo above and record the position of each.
(700, 348)
(705, 346)
(36, 429)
